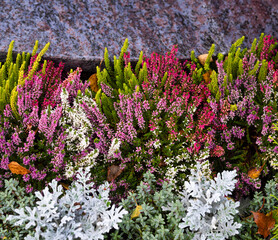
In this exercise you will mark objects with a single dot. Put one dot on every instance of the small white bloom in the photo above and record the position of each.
(157, 144)
(115, 146)
(69, 171)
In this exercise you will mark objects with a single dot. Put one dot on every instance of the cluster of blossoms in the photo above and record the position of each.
(22, 140)
(156, 117)
(161, 118)
(246, 108)
(164, 126)
(52, 135)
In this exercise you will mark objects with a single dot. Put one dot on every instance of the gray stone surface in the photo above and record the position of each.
(79, 30)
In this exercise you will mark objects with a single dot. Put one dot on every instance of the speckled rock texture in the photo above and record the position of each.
(79, 30)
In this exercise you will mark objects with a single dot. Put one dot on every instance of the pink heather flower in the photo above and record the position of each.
(26, 177)
(218, 151)
(29, 141)
(230, 146)
(259, 141)
(29, 188)
(8, 111)
(106, 89)
(26, 160)
(197, 147)
(16, 139)
(5, 162)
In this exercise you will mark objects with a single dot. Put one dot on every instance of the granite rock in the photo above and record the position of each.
(79, 30)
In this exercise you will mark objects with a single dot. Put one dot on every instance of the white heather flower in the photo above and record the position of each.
(205, 168)
(156, 144)
(78, 125)
(115, 146)
(69, 172)
(204, 154)
(89, 159)
(64, 98)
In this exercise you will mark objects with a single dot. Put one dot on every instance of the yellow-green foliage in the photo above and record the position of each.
(210, 53)
(253, 48)
(213, 86)
(11, 74)
(263, 71)
(254, 70)
(233, 64)
(260, 44)
(121, 79)
(37, 61)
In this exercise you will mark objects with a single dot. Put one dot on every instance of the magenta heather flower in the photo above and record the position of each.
(244, 99)
(29, 188)
(21, 139)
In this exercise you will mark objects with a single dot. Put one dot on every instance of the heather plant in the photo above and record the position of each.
(244, 100)
(116, 81)
(80, 213)
(13, 197)
(273, 154)
(180, 117)
(22, 138)
(161, 121)
(11, 74)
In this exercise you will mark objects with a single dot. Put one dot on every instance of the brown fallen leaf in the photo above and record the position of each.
(17, 168)
(206, 77)
(93, 82)
(202, 58)
(65, 186)
(113, 172)
(254, 172)
(264, 223)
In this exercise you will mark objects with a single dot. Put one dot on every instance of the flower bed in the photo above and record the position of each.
(167, 150)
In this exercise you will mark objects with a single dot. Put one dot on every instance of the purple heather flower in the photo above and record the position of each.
(29, 188)
(106, 89)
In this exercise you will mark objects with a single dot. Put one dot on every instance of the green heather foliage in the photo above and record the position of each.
(119, 79)
(13, 197)
(244, 98)
(11, 74)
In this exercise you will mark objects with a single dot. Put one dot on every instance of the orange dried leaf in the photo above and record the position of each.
(206, 77)
(17, 169)
(264, 223)
(113, 172)
(136, 212)
(254, 172)
(93, 82)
